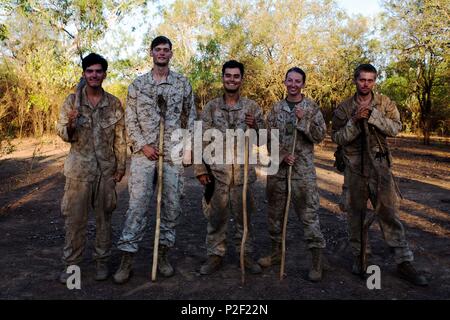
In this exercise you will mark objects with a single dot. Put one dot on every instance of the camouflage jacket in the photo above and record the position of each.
(142, 111)
(311, 129)
(384, 121)
(98, 144)
(217, 115)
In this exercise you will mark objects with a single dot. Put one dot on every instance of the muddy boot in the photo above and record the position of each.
(101, 271)
(273, 259)
(252, 266)
(164, 266)
(315, 273)
(123, 274)
(211, 265)
(409, 273)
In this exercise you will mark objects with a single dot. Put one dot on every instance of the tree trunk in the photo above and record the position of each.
(425, 126)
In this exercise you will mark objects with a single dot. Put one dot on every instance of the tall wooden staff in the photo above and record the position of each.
(78, 94)
(162, 114)
(286, 208)
(364, 225)
(244, 209)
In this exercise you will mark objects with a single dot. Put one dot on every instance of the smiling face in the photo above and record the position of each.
(365, 83)
(232, 80)
(161, 54)
(94, 75)
(294, 84)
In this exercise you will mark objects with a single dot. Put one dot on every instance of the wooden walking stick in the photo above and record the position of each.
(244, 209)
(364, 226)
(286, 208)
(78, 95)
(162, 110)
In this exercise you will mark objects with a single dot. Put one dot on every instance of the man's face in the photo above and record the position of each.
(294, 83)
(161, 54)
(232, 80)
(94, 75)
(365, 83)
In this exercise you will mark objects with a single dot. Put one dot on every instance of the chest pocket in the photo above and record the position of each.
(84, 121)
(289, 130)
(108, 118)
(175, 103)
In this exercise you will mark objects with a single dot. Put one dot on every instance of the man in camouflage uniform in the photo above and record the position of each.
(142, 118)
(360, 125)
(225, 181)
(92, 122)
(311, 130)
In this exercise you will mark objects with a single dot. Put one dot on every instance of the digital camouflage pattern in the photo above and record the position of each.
(142, 113)
(217, 115)
(226, 199)
(226, 204)
(142, 121)
(142, 187)
(98, 145)
(97, 152)
(311, 130)
(371, 178)
(305, 197)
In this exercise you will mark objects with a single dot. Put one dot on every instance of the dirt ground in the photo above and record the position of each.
(32, 235)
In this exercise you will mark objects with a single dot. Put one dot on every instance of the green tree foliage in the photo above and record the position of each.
(418, 36)
(41, 43)
(269, 37)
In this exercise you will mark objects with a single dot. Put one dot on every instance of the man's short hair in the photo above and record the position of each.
(160, 40)
(298, 70)
(233, 64)
(365, 67)
(94, 58)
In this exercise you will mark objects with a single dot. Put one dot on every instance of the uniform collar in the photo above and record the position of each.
(169, 80)
(237, 106)
(285, 106)
(101, 104)
(373, 103)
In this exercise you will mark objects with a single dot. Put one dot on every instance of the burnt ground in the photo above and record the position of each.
(32, 235)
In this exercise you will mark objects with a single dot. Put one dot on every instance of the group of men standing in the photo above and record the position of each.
(95, 124)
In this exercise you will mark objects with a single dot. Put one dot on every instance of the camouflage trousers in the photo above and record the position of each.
(305, 198)
(225, 201)
(79, 197)
(344, 197)
(141, 187)
(379, 187)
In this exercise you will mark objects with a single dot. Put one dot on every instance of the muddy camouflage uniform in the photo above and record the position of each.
(228, 178)
(142, 123)
(371, 177)
(305, 197)
(97, 152)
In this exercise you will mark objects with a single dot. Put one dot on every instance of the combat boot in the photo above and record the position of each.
(211, 265)
(272, 259)
(164, 266)
(124, 272)
(315, 273)
(101, 271)
(409, 273)
(252, 266)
